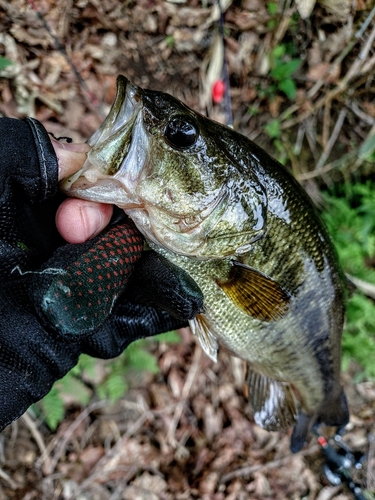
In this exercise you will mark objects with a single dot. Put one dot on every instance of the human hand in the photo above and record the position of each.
(78, 220)
(40, 287)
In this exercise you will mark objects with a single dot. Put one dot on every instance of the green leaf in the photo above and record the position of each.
(86, 364)
(142, 360)
(77, 390)
(170, 41)
(272, 8)
(253, 110)
(113, 388)
(273, 128)
(169, 337)
(279, 51)
(284, 70)
(53, 408)
(271, 24)
(4, 62)
(288, 87)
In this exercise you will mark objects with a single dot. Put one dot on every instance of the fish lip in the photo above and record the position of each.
(94, 174)
(128, 98)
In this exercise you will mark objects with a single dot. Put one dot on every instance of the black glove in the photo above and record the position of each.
(48, 314)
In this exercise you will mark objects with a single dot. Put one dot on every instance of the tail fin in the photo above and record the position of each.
(333, 412)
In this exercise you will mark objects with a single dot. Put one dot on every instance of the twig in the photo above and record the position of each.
(60, 447)
(113, 455)
(184, 395)
(353, 71)
(8, 479)
(118, 493)
(336, 164)
(246, 471)
(353, 106)
(326, 123)
(355, 157)
(35, 432)
(365, 287)
(332, 140)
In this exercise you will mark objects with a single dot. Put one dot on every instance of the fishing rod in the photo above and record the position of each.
(225, 71)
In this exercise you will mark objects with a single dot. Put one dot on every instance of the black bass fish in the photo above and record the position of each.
(218, 206)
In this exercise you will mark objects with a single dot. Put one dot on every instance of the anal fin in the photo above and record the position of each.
(272, 402)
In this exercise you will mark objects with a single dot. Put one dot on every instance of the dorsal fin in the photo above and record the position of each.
(255, 293)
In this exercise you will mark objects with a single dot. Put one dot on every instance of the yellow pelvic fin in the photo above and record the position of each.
(203, 330)
(272, 402)
(255, 293)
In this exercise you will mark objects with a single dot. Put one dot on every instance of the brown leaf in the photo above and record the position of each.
(322, 72)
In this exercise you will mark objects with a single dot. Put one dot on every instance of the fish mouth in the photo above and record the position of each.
(115, 163)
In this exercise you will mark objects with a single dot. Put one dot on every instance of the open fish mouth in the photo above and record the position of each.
(128, 102)
(119, 149)
(160, 162)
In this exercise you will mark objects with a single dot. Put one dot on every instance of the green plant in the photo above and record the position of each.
(4, 62)
(112, 386)
(283, 67)
(273, 129)
(349, 215)
(170, 41)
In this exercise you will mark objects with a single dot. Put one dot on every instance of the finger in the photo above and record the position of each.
(80, 220)
(71, 156)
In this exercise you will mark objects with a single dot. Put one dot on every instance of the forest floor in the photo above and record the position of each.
(186, 432)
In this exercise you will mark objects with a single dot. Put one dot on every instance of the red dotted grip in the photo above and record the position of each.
(80, 298)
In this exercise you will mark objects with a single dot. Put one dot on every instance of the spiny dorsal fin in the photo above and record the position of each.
(255, 293)
(272, 402)
(203, 330)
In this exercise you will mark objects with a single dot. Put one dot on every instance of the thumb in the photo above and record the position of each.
(71, 156)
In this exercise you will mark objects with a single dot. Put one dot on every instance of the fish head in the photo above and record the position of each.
(174, 173)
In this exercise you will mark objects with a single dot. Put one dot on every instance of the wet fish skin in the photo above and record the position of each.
(241, 226)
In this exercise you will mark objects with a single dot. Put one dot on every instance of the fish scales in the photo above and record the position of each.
(219, 207)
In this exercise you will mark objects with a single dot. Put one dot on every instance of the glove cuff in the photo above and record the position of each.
(48, 164)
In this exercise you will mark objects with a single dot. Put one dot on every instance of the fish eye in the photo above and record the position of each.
(181, 132)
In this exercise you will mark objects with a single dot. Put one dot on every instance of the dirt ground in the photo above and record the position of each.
(186, 432)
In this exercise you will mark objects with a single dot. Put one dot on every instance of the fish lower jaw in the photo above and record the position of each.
(105, 190)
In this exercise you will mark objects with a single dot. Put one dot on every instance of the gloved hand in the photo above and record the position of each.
(59, 300)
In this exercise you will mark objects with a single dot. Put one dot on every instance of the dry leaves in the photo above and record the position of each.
(185, 436)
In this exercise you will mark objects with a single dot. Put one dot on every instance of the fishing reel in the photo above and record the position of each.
(339, 460)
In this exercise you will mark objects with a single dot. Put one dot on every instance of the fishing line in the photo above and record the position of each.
(91, 96)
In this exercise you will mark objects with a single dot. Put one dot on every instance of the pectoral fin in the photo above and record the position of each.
(272, 402)
(255, 293)
(201, 328)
